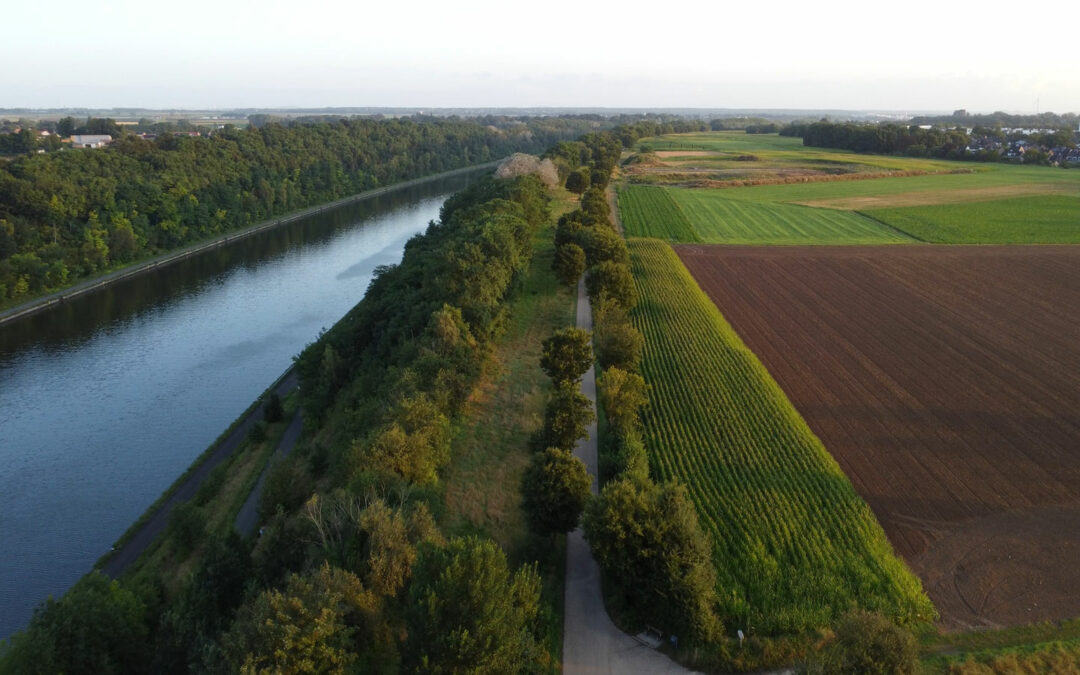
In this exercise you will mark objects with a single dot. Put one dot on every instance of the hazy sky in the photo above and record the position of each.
(917, 55)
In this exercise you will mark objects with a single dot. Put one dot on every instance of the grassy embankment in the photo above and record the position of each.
(214, 508)
(482, 484)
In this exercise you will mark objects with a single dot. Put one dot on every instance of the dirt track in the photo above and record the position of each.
(946, 382)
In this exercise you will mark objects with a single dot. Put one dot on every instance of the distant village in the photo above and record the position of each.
(1055, 147)
(18, 137)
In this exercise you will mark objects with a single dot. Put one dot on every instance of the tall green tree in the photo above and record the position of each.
(566, 355)
(466, 612)
(555, 487)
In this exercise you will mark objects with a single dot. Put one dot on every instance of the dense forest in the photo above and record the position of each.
(981, 143)
(74, 213)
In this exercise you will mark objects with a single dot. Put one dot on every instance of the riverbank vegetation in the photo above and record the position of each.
(70, 215)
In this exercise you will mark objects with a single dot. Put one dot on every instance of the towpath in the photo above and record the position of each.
(159, 520)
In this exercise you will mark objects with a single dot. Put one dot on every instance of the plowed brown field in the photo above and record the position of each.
(946, 382)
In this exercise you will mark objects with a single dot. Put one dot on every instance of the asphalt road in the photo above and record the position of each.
(248, 517)
(591, 642)
(157, 523)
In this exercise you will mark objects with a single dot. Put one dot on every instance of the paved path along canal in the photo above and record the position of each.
(592, 645)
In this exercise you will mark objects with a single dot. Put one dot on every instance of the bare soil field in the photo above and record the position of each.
(945, 380)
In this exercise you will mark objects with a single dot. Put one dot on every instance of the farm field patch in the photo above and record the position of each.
(724, 221)
(945, 381)
(794, 544)
(689, 216)
(1045, 219)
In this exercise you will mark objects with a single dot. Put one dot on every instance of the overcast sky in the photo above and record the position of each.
(865, 55)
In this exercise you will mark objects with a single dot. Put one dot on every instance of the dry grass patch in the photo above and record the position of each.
(934, 197)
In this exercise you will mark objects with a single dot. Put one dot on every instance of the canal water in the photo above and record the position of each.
(105, 400)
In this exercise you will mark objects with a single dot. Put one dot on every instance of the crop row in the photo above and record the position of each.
(650, 212)
(794, 543)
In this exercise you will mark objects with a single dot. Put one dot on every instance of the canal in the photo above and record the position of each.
(106, 399)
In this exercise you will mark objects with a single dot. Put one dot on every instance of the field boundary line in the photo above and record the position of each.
(889, 226)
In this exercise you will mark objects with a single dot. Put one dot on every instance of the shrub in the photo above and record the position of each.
(867, 643)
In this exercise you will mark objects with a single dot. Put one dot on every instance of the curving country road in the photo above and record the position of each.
(591, 642)
(156, 524)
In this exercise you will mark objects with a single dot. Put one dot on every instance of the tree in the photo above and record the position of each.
(614, 281)
(623, 395)
(98, 626)
(569, 263)
(649, 543)
(310, 626)
(867, 643)
(555, 488)
(602, 243)
(566, 418)
(618, 345)
(578, 181)
(566, 355)
(467, 613)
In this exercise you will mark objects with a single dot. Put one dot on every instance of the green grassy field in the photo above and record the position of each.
(795, 546)
(724, 221)
(706, 216)
(934, 201)
(648, 211)
(1044, 219)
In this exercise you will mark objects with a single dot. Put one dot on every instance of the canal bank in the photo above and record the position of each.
(106, 399)
(45, 302)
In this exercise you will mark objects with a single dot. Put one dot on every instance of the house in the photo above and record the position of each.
(90, 141)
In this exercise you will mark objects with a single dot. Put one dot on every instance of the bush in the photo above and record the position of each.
(569, 263)
(555, 487)
(273, 412)
(867, 643)
(187, 526)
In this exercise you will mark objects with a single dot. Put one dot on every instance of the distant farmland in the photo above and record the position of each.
(795, 546)
(946, 383)
(728, 188)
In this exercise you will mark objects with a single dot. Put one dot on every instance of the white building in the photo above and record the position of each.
(90, 141)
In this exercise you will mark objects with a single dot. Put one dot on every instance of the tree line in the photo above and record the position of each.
(70, 215)
(915, 141)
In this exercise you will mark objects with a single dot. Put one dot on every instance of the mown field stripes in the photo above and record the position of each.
(650, 212)
(795, 546)
(718, 220)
